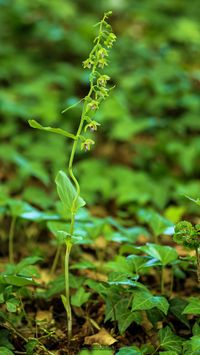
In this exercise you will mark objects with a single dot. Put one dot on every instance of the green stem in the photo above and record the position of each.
(10, 238)
(56, 258)
(162, 281)
(67, 292)
(198, 265)
(172, 282)
(71, 174)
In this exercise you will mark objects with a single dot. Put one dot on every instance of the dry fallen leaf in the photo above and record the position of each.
(44, 316)
(101, 338)
(94, 275)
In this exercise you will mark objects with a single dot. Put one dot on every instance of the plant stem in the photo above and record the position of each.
(67, 302)
(172, 282)
(162, 285)
(198, 265)
(56, 258)
(74, 180)
(10, 238)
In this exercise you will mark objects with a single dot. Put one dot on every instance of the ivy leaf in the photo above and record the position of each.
(169, 341)
(141, 263)
(165, 254)
(193, 306)
(80, 297)
(144, 300)
(126, 319)
(67, 193)
(157, 222)
(177, 306)
(35, 124)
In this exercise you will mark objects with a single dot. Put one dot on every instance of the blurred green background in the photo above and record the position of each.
(148, 146)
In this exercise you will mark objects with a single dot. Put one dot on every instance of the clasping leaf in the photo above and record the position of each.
(35, 124)
(67, 193)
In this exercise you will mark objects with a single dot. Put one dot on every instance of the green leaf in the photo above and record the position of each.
(196, 328)
(121, 264)
(193, 306)
(165, 254)
(195, 343)
(12, 305)
(140, 263)
(144, 300)
(134, 350)
(177, 306)
(170, 352)
(169, 341)
(126, 319)
(30, 260)
(30, 346)
(80, 297)
(120, 278)
(4, 339)
(57, 228)
(157, 222)
(5, 351)
(67, 193)
(129, 350)
(19, 281)
(35, 124)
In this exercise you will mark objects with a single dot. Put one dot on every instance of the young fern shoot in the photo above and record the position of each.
(68, 187)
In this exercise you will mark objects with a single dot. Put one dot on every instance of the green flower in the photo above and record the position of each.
(102, 53)
(92, 126)
(88, 63)
(102, 80)
(86, 145)
(92, 105)
(110, 40)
